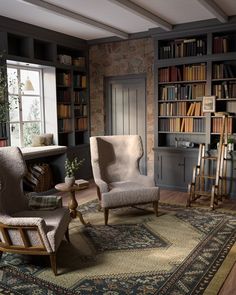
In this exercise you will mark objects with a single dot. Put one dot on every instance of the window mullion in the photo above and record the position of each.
(20, 111)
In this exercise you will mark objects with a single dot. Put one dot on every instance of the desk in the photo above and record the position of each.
(73, 204)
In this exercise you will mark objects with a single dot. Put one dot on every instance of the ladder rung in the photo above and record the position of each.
(207, 176)
(202, 193)
(209, 158)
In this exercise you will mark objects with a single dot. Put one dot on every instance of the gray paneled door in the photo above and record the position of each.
(126, 109)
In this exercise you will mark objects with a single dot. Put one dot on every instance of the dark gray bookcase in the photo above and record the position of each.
(189, 64)
(26, 43)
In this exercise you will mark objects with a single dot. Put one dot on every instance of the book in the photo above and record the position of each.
(82, 183)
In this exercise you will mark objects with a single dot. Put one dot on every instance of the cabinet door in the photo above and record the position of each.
(174, 169)
(190, 160)
(170, 170)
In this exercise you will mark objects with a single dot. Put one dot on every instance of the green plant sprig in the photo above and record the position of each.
(71, 166)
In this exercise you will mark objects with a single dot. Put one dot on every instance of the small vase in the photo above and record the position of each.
(70, 180)
(230, 147)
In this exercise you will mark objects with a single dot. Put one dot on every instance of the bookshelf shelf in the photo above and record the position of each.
(182, 82)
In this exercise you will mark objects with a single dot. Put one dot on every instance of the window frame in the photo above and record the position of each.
(21, 94)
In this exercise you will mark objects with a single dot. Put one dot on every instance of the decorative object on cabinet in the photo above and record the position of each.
(208, 104)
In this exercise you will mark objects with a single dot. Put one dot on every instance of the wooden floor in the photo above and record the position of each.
(173, 197)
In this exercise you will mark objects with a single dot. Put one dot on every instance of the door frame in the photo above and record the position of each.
(108, 118)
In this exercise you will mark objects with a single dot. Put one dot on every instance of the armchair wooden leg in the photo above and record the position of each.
(53, 263)
(106, 214)
(155, 207)
(67, 235)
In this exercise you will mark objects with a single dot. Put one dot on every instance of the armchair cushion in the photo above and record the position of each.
(126, 193)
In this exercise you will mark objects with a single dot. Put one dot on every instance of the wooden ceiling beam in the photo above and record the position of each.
(76, 16)
(213, 8)
(140, 11)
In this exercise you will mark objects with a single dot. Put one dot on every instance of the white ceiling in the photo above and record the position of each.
(108, 12)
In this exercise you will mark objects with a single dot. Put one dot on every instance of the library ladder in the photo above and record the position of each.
(209, 176)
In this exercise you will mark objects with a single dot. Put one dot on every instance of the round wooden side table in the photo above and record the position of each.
(73, 204)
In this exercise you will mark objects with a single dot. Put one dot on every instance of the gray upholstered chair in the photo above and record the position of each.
(115, 164)
(25, 231)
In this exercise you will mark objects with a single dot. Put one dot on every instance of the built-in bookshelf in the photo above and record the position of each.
(70, 63)
(180, 93)
(72, 96)
(188, 68)
(63, 60)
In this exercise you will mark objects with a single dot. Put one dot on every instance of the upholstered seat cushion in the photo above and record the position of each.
(124, 193)
(56, 223)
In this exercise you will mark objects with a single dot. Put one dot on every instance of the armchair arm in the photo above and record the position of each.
(22, 221)
(102, 185)
(27, 223)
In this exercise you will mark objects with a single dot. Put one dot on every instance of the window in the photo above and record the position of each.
(26, 100)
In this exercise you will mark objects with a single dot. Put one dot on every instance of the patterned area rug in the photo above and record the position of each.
(182, 251)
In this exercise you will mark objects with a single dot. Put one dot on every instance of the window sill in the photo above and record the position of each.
(42, 151)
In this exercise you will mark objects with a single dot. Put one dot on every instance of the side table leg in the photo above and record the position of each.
(79, 214)
(73, 205)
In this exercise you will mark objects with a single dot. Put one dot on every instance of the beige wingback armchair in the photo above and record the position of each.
(115, 164)
(25, 231)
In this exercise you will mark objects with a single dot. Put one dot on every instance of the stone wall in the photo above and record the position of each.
(121, 58)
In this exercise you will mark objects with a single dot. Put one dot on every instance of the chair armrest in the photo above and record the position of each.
(102, 185)
(24, 222)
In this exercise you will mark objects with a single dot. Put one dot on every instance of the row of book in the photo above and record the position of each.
(182, 125)
(183, 48)
(217, 124)
(80, 81)
(64, 79)
(64, 125)
(81, 124)
(185, 73)
(221, 71)
(76, 96)
(226, 89)
(80, 96)
(178, 91)
(63, 95)
(64, 111)
(221, 44)
(80, 110)
(194, 72)
(69, 60)
(180, 109)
